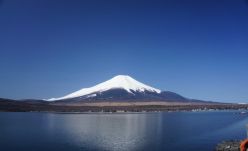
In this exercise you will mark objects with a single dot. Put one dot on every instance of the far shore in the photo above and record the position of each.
(116, 107)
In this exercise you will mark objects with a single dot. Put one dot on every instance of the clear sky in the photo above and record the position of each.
(197, 48)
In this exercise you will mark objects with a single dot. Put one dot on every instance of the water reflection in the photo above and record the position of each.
(138, 132)
(103, 131)
(119, 132)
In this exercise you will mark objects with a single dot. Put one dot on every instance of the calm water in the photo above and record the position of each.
(184, 131)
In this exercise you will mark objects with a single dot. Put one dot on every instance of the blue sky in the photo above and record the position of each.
(197, 48)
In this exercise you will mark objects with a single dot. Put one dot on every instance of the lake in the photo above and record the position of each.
(174, 131)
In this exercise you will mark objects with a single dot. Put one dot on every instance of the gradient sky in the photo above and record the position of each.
(197, 48)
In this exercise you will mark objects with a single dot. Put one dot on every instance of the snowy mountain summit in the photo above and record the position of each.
(123, 82)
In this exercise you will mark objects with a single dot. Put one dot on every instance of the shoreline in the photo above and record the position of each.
(239, 111)
(116, 107)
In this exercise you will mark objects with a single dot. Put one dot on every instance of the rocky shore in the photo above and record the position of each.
(232, 145)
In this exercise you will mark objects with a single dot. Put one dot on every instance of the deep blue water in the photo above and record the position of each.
(181, 131)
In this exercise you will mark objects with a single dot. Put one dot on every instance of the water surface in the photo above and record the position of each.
(184, 131)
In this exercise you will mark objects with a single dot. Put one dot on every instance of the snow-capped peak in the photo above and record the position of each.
(120, 81)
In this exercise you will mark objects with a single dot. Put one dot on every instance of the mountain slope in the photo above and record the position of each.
(118, 82)
(121, 88)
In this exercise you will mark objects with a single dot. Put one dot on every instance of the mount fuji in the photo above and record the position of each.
(121, 88)
(120, 93)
